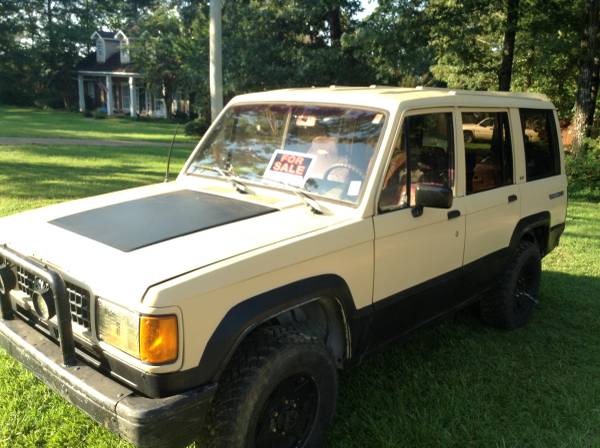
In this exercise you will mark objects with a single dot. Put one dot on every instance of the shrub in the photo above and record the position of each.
(196, 127)
(49, 102)
(180, 117)
(99, 114)
(583, 170)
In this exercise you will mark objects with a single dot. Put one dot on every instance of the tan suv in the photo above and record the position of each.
(308, 228)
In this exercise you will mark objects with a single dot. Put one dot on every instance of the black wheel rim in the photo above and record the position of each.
(526, 288)
(289, 414)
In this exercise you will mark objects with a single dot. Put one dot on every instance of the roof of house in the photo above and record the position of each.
(113, 64)
(110, 35)
(107, 34)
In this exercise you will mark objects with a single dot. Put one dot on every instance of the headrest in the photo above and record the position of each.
(324, 146)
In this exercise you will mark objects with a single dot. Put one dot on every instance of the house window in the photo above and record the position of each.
(100, 50)
(90, 90)
(124, 49)
(125, 95)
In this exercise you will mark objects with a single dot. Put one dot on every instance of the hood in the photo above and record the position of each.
(120, 244)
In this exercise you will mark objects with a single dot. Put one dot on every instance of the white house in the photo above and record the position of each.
(107, 80)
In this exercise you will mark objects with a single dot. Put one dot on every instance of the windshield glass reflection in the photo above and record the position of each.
(324, 150)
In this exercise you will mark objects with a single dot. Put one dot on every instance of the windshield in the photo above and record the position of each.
(323, 150)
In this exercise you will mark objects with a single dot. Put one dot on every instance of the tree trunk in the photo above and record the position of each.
(508, 49)
(168, 97)
(587, 82)
(595, 84)
(335, 25)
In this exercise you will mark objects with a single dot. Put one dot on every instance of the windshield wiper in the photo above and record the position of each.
(306, 198)
(237, 184)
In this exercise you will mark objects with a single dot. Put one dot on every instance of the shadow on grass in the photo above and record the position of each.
(463, 383)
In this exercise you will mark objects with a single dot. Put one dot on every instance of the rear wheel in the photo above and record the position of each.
(278, 392)
(512, 303)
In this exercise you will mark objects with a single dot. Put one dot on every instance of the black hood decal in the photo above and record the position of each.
(131, 225)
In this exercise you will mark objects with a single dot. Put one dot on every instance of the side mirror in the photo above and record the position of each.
(435, 196)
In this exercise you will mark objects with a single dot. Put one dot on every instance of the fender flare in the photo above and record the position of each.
(528, 224)
(247, 315)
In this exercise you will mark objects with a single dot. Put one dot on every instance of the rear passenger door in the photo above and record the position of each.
(492, 196)
(545, 188)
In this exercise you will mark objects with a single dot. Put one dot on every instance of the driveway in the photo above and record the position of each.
(87, 142)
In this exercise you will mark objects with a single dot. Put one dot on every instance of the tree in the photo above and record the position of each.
(393, 43)
(587, 82)
(508, 48)
(546, 53)
(466, 41)
(159, 52)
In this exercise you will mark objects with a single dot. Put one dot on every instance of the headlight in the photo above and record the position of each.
(153, 339)
(118, 327)
(43, 303)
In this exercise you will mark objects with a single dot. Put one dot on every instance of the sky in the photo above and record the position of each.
(369, 6)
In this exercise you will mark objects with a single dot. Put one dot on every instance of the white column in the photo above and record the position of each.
(215, 67)
(109, 95)
(81, 93)
(132, 99)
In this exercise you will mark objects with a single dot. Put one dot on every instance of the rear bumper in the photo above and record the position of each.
(146, 422)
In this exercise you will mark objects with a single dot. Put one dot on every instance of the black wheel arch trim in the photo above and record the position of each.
(251, 313)
(529, 224)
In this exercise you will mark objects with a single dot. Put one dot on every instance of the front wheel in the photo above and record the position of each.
(278, 392)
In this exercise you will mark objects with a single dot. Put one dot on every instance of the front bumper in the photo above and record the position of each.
(146, 422)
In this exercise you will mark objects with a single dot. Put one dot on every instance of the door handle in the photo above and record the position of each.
(512, 198)
(558, 194)
(453, 214)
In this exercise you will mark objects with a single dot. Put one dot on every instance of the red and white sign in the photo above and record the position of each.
(289, 167)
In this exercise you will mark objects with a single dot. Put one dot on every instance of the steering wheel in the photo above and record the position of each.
(343, 166)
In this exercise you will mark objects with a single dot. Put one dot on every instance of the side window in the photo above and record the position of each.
(424, 154)
(541, 145)
(488, 150)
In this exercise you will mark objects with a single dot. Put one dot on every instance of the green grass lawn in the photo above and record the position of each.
(29, 122)
(459, 384)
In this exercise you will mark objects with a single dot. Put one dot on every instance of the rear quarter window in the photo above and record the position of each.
(542, 157)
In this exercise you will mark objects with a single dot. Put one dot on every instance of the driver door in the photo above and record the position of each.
(418, 257)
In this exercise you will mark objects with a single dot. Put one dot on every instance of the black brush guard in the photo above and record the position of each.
(146, 422)
(61, 302)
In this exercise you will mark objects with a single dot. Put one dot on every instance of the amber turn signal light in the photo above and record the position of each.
(158, 339)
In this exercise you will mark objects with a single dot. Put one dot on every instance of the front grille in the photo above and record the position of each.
(79, 298)
(26, 281)
(79, 301)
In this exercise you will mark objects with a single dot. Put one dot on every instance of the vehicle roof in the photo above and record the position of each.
(393, 97)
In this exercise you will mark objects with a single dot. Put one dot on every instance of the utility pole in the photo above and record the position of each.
(215, 56)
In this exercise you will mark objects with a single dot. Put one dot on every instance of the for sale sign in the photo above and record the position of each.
(289, 167)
